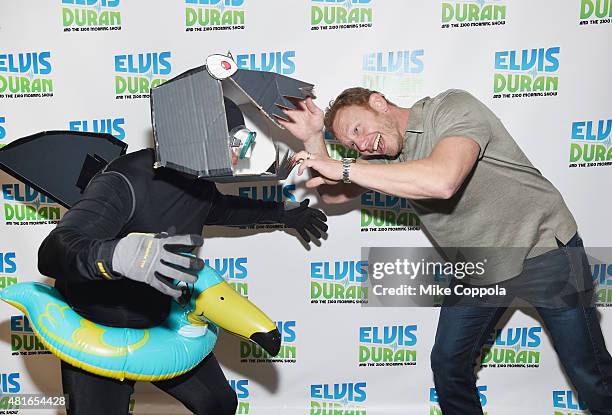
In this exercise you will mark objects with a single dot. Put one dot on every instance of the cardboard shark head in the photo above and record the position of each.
(201, 114)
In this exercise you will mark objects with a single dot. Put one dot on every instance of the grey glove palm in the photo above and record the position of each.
(156, 260)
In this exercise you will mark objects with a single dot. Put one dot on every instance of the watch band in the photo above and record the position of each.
(346, 169)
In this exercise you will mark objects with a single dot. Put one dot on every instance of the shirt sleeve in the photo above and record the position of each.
(72, 250)
(375, 159)
(462, 115)
(228, 210)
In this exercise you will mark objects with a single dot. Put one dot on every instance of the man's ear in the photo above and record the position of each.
(378, 103)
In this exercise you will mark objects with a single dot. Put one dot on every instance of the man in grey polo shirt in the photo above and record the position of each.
(472, 186)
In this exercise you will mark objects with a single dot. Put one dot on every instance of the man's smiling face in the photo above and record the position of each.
(370, 131)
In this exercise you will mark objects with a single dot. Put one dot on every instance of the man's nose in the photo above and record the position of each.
(362, 144)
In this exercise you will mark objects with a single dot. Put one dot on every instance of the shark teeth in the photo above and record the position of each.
(377, 142)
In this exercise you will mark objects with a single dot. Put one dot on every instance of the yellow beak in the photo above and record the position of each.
(224, 307)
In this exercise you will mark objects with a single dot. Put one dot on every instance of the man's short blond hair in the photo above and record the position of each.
(351, 96)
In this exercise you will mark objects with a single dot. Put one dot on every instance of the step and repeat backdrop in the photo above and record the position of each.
(544, 68)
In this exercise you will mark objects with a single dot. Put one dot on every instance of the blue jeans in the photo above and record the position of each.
(576, 337)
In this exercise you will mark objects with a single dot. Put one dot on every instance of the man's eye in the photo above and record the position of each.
(356, 130)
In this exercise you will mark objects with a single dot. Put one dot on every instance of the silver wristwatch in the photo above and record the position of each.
(346, 169)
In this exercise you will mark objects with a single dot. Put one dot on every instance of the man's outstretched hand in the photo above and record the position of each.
(329, 171)
(305, 122)
(305, 220)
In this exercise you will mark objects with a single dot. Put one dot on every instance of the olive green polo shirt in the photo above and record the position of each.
(504, 202)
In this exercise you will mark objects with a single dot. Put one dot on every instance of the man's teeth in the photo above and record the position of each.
(377, 142)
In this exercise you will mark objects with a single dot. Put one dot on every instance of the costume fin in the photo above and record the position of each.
(60, 164)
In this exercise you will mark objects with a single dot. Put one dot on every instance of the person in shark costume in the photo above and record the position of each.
(112, 262)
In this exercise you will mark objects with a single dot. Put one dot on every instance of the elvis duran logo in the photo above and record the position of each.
(281, 62)
(205, 15)
(114, 126)
(595, 12)
(26, 75)
(90, 15)
(22, 205)
(137, 73)
(336, 150)
(602, 277)
(565, 402)
(394, 73)
(513, 347)
(234, 271)
(269, 193)
(253, 353)
(9, 383)
(434, 407)
(8, 268)
(338, 398)
(461, 13)
(591, 143)
(23, 340)
(338, 282)
(387, 346)
(526, 73)
(2, 128)
(241, 387)
(380, 213)
(340, 14)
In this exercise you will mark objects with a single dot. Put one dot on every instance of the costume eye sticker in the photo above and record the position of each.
(221, 66)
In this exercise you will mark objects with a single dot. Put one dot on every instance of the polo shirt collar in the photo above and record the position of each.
(415, 117)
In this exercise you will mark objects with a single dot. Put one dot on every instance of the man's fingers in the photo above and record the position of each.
(300, 103)
(300, 156)
(315, 182)
(313, 164)
(303, 166)
(282, 122)
(311, 106)
(304, 155)
(289, 122)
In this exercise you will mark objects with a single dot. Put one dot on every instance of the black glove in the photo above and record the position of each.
(156, 260)
(303, 218)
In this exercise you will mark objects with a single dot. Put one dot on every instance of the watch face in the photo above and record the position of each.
(346, 166)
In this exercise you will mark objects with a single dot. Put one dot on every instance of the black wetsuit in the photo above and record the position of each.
(130, 196)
